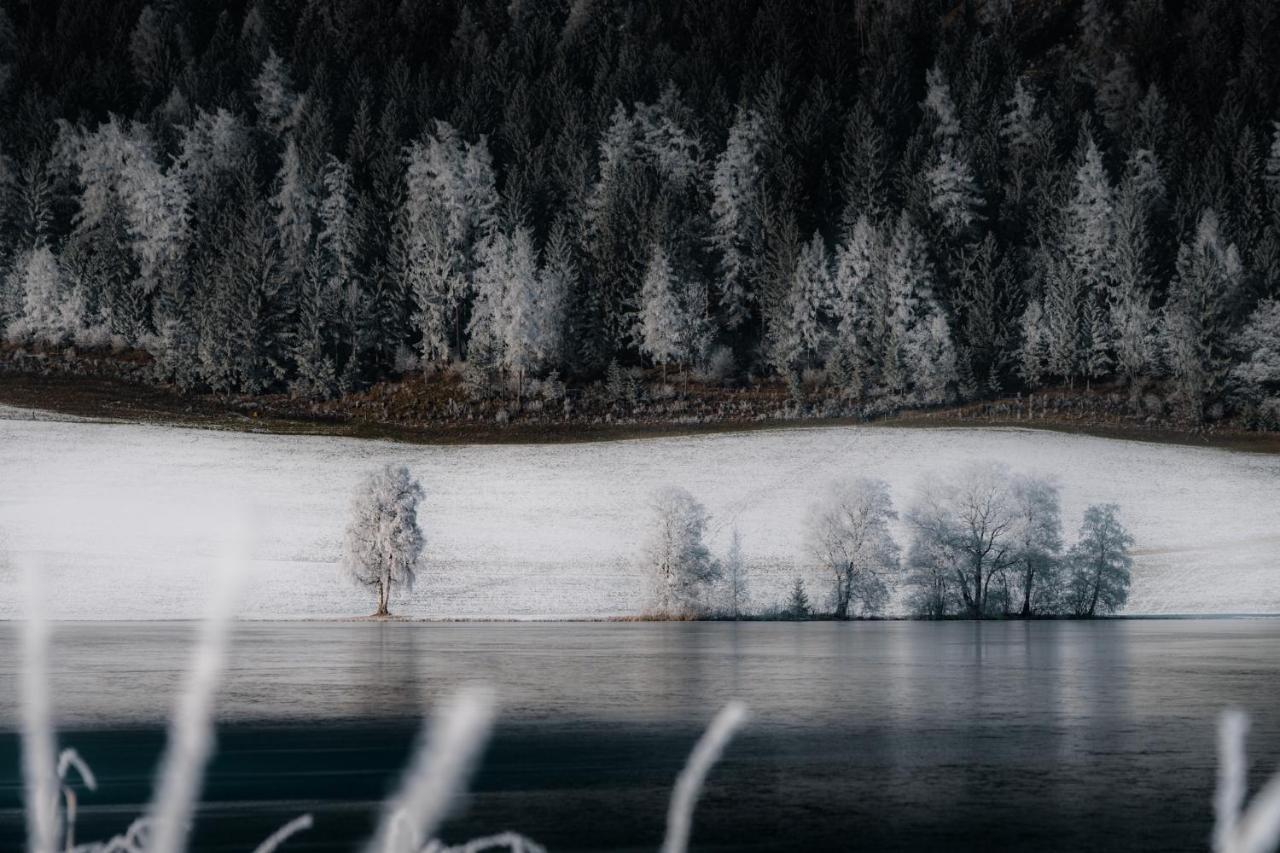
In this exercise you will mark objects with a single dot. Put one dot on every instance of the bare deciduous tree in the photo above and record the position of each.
(849, 537)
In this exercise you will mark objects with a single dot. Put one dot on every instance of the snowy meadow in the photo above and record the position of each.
(126, 520)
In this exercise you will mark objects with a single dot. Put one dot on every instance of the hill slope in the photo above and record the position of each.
(127, 519)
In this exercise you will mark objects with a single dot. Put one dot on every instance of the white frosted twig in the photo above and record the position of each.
(441, 766)
(689, 783)
(38, 749)
(512, 841)
(281, 835)
(190, 741)
(1258, 829)
(69, 760)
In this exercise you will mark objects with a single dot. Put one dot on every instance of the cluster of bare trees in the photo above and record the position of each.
(988, 542)
(984, 541)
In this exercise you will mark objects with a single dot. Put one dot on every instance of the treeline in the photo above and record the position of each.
(903, 203)
(985, 542)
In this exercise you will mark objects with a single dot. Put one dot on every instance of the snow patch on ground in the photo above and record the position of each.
(127, 519)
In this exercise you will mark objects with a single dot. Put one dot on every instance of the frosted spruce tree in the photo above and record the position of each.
(849, 538)
(859, 299)
(678, 564)
(954, 195)
(1132, 319)
(1196, 323)
(802, 338)
(1255, 381)
(737, 230)
(384, 541)
(919, 362)
(1100, 563)
(1087, 250)
(47, 307)
(662, 322)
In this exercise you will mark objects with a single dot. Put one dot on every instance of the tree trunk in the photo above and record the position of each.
(384, 591)
(1026, 595)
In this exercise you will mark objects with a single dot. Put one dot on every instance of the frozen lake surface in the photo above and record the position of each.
(875, 736)
(126, 520)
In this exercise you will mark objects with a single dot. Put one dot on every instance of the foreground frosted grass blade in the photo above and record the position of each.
(689, 784)
(1258, 830)
(1233, 768)
(190, 740)
(441, 767)
(38, 769)
(281, 835)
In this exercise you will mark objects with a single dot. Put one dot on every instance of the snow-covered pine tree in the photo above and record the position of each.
(557, 284)
(955, 197)
(1197, 321)
(1089, 226)
(736, 232)
(1132, 319)
(338, 247)
(46, 308)
(294, 204)
(1255, 381)
(802, 340)
(662, 322)
(1065, 309)
(859, 300)
(910, 308)
(276, 102)
(667, 140)
(864, 168)
(318, 306)
(1033, 354)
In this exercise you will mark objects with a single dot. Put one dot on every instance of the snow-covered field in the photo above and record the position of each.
(127, 520)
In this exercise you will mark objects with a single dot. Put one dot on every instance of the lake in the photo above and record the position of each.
(874, 736)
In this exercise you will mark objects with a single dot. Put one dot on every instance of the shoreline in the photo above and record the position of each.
(111, 401)
(634, 620)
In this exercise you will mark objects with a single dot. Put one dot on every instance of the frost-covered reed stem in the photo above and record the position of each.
(446, 754)
(191, 739)
(281, 835)
(1258, 829)
(689, 784)
(38, 749)
(1233, 767)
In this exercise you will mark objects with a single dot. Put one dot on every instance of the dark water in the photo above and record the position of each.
(878, 736)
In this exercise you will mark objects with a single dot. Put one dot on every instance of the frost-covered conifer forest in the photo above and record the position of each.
(882, 205)
(436, 426)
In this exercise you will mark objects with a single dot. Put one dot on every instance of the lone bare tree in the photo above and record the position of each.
(1100, 562)
(384, 540)
(678, 561)
(849, 537)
